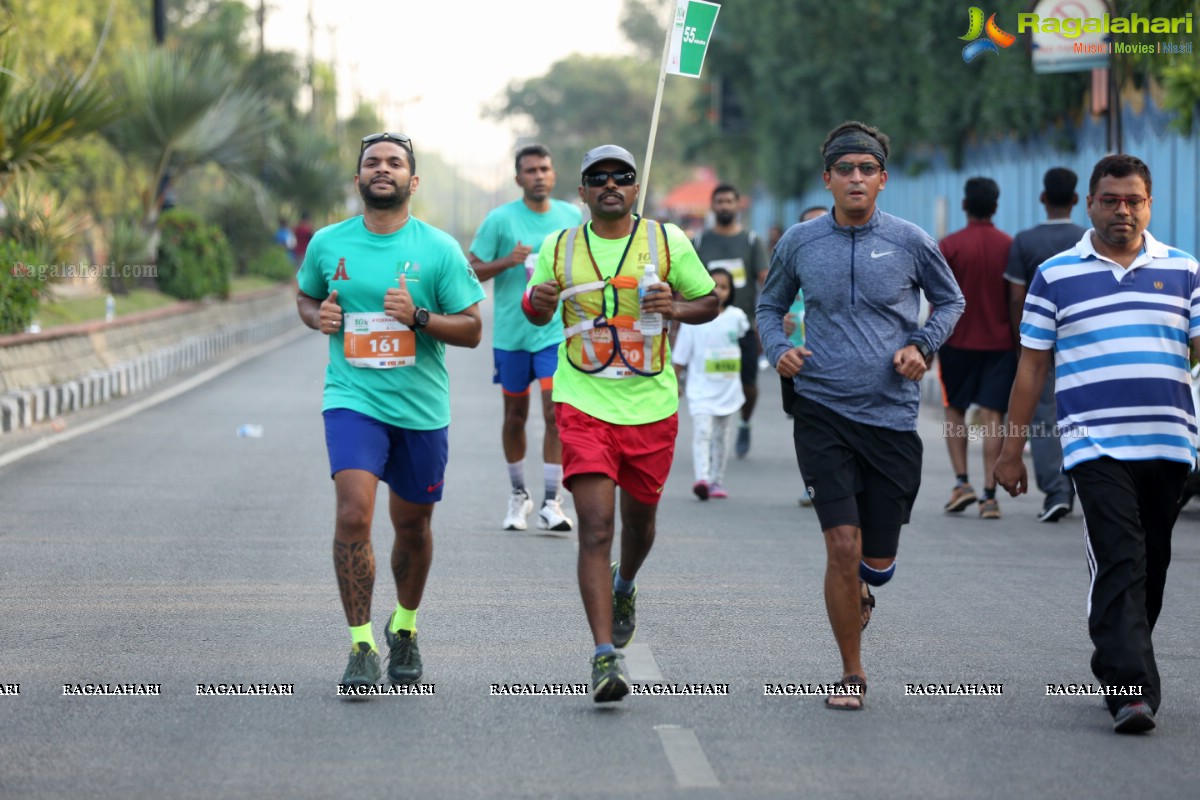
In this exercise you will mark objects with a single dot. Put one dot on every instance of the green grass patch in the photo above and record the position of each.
(90, 308)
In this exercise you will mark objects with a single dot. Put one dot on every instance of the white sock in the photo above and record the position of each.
(516, 474)
(552, 475)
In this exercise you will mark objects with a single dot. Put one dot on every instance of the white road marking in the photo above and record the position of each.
(640, 665)
(692, 770)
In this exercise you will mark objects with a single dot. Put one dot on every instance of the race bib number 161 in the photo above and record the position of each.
(376, 341)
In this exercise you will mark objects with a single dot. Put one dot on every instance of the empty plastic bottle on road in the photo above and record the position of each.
(250, 431)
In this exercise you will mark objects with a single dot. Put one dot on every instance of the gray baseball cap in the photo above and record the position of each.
(607, 152)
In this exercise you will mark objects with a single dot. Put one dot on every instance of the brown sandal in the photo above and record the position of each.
(868, 602)
(853, 687)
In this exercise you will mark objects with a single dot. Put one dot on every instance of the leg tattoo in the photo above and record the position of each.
(354, 564)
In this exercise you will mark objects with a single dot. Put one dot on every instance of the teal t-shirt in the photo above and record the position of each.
(361, 266)
(497, 236)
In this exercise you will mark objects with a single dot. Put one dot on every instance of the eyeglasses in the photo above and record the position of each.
(386, 136)
(1110, 202)
(597, 179)
(867, 168)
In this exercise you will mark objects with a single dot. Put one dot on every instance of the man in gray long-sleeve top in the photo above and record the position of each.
(857, 378)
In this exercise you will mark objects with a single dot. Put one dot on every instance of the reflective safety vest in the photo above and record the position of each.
(602, 315)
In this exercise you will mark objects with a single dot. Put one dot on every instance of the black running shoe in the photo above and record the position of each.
(404, 657)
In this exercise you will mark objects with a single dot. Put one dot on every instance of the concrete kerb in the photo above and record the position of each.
(21, 408)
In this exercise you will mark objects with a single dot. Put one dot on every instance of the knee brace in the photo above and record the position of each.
(876, 577)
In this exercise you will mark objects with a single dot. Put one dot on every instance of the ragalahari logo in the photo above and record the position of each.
(996, 38)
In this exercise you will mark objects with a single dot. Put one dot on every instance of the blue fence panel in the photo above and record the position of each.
(1174, 161)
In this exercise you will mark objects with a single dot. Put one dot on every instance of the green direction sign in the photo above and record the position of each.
(694, 23)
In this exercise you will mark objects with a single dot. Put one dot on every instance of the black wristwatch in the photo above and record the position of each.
(420, 319)
(924, 350)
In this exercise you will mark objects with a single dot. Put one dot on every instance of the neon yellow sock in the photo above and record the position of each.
(362, 633)
(403, 619)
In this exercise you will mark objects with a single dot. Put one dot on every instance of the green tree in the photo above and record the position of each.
(185, 111)
(583, 101)
(1179, 75)
(38, 117)
(800, 68)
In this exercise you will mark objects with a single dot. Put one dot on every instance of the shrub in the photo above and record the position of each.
(273, 263)
(194, 258)
(128, 245)
(20, 287)
(242, 221)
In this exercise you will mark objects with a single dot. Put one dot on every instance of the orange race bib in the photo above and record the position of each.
(602, 342)
(376, 341)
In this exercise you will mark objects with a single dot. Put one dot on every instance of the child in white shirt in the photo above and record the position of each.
(713, 362)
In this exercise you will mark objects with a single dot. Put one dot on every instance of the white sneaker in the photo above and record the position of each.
(551, 516)
(519, 506)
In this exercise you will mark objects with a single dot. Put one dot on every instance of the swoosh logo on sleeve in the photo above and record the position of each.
(881, 255)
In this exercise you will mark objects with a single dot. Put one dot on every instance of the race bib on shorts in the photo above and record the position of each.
(376, 341)
(723, 363)
(602, 344)
(735, 266)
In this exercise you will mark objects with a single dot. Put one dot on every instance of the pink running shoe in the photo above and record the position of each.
(716, 492)
(700, 489)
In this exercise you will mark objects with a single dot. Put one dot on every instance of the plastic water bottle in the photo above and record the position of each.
(250, 431)
(110, 308)
(652, 323)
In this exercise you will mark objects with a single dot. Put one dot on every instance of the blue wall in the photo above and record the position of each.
(1174, 162)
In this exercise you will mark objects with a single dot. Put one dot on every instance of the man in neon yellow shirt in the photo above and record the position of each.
(390, 292)
(615, 389)
(504, 248)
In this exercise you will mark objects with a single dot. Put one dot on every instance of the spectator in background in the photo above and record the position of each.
(977, 362)
(1029, 249)
(302, 234)
(286, 239)
(740, 251)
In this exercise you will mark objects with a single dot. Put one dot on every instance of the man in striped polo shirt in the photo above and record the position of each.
(1117, 312)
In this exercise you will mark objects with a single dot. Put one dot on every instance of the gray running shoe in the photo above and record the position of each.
(624, 616)
(609, 683)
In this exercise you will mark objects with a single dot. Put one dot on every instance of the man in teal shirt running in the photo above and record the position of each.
(390, 292)
(506, 249)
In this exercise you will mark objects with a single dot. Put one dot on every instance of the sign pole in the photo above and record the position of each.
(662, 80)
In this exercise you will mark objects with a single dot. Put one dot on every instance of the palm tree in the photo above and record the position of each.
(35, 119)
(185, 111)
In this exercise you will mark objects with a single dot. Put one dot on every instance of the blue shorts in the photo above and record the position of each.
(516, 369)
(412, 463)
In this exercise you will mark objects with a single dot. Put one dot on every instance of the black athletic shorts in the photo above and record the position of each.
(789, 393)
(857, 474)
(749, 345)
(979, 377)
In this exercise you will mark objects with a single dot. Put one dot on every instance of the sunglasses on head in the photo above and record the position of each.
(386, 136)
(598, 179)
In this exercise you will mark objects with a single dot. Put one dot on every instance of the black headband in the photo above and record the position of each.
(852, 141)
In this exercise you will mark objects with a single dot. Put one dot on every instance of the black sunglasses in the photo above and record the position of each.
(386, 136)
(597, 179)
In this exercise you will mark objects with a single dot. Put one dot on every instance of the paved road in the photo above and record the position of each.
(165, 550)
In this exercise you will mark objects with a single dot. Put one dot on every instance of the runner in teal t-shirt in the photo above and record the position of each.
(390, 292)
(508, 240)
